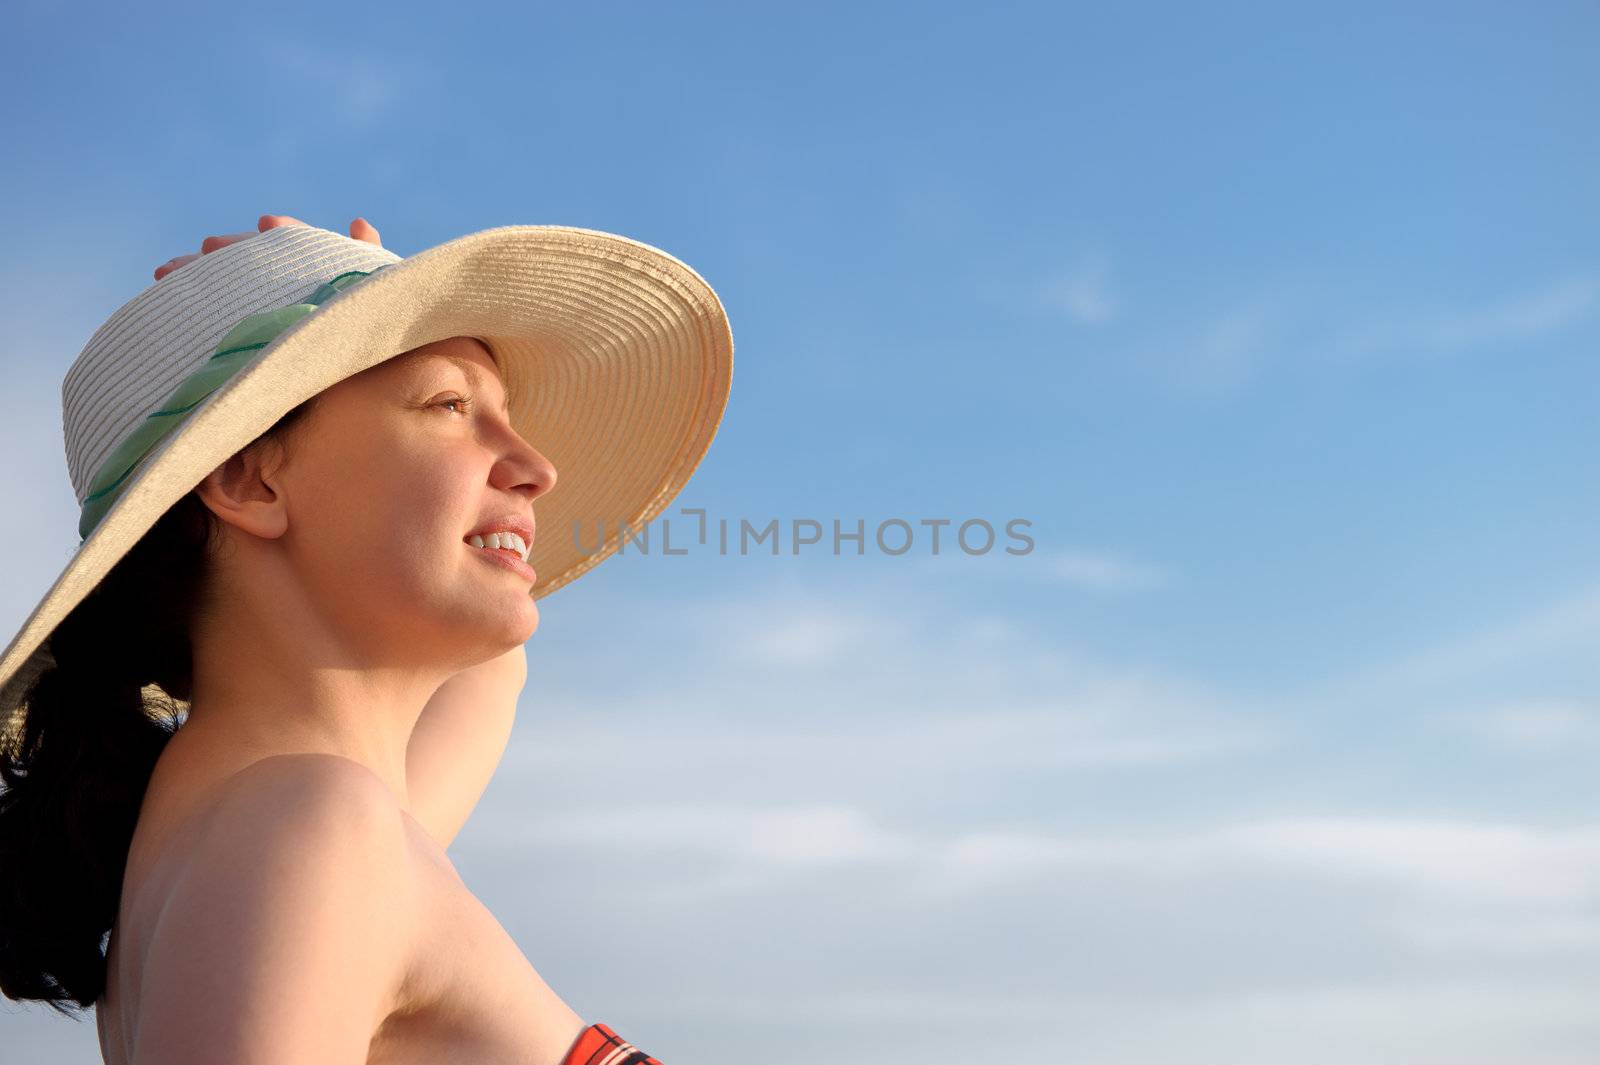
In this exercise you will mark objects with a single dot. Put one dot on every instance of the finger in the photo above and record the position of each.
(172, 264)
(361, 229)
(213, 243)
(271, 221)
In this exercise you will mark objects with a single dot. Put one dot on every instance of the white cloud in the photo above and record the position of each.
(1229, 343)
(354, 87)
(1288, 323)
(807, 635)
(1450, 860)
(794, 691)
(1448, 887)
(1473, 1020)
(1508, 319)
(1511, 934)
(1564, 628)
(1219, 349)
(779, 837)
(1083, 292)
(787, 751)
(1537, 726)
(1086, 569)
(1091, 570)
(887, 702)
(1469, 1020)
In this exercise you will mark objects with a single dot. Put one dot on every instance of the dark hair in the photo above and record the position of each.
(75, 778)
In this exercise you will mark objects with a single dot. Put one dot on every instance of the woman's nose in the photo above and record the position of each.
(545, 471)
(526, 465)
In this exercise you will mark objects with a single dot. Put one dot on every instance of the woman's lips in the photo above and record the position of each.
(512, 561)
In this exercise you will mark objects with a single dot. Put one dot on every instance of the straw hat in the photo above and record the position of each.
(617, 358)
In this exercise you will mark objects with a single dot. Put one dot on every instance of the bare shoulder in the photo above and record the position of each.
(286, 932)
(313, 819)
(288, 794)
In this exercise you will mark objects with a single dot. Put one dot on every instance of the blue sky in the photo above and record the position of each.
(1278, 324)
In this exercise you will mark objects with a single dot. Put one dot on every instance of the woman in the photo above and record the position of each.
(336, 614)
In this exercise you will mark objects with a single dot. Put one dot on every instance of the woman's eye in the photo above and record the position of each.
(465, 402)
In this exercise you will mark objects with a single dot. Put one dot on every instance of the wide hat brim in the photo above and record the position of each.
(617, 358)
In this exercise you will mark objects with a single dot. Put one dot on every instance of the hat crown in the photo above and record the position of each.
(152, 343)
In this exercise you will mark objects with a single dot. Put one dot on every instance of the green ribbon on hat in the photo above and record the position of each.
(237, 350)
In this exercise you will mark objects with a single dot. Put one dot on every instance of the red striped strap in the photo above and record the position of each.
(599, 1045)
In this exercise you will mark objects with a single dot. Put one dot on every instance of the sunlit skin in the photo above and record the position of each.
(344, 595)
(348, 626)
(360, 229)
(460, 734)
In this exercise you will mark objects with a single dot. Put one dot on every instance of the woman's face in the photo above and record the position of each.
(388, 473)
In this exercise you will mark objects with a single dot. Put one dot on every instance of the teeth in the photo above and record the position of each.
(495, 541)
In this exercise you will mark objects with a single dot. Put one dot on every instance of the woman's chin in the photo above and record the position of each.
(513, 626)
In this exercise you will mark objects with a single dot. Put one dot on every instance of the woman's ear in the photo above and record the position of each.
(247, 493)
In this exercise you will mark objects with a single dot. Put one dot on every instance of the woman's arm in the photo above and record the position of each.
(289, 932)
(458, 742)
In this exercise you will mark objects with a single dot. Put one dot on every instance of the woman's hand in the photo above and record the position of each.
(360, 229)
